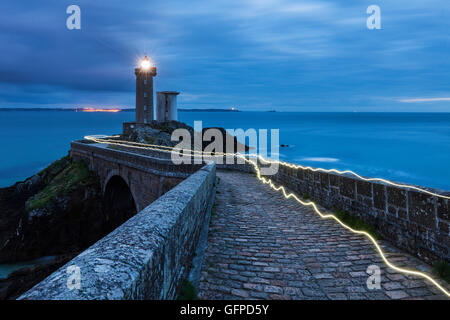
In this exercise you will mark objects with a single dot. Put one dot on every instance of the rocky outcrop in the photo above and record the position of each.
(24, 279)
(54, 212)
(159, 133)
(57, 212)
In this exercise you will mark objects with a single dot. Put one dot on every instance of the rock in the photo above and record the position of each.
(37, 213)
(159, 133)
(63, 213)
(237, 146)
(58, 212)
(24, 279)
(4, 285)
(29, 186)
(33, 181)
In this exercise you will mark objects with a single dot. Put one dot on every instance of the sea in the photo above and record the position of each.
(411, 148)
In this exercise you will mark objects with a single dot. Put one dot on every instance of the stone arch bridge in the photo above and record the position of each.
(260, 245)
(147, 176)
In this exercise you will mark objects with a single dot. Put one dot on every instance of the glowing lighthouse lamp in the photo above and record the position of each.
(144, 90)
(145, 63)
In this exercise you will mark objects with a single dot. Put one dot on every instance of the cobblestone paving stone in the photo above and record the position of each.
(263, 246)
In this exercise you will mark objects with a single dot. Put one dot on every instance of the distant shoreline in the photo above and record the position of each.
(229, 110)
(120, 110)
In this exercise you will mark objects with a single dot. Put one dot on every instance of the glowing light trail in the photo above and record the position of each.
(405, 186)
(104, 140)
(286, 164)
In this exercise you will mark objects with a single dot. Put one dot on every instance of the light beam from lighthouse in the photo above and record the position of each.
(144, 91)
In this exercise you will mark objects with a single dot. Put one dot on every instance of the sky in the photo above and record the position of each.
(284, 55)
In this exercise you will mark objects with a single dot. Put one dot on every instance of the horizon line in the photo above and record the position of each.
(207, 109)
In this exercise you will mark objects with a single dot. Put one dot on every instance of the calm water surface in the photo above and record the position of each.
(407, 147)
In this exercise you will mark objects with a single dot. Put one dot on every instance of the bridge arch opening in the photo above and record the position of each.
(119, 204)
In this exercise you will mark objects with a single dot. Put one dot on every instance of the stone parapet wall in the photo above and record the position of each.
(410, 219)
(157, 163)
(145, 258)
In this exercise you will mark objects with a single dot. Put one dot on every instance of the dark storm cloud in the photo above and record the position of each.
(38, 49)
(290, 55)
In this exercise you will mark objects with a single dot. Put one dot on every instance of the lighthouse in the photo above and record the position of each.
(144, 91)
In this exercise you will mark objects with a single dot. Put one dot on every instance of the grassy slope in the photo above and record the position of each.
(357, 223)
(61, 177)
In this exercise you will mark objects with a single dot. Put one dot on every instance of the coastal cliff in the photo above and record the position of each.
(57, 212)
(51, 213)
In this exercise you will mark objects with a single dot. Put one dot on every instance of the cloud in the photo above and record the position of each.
(319, 159)
(314, 55)
(423, 100)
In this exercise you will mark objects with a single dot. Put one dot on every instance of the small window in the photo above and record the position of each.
(145, 94)
(145, 81)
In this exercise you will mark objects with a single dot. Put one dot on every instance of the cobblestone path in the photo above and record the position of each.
(262, 246)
